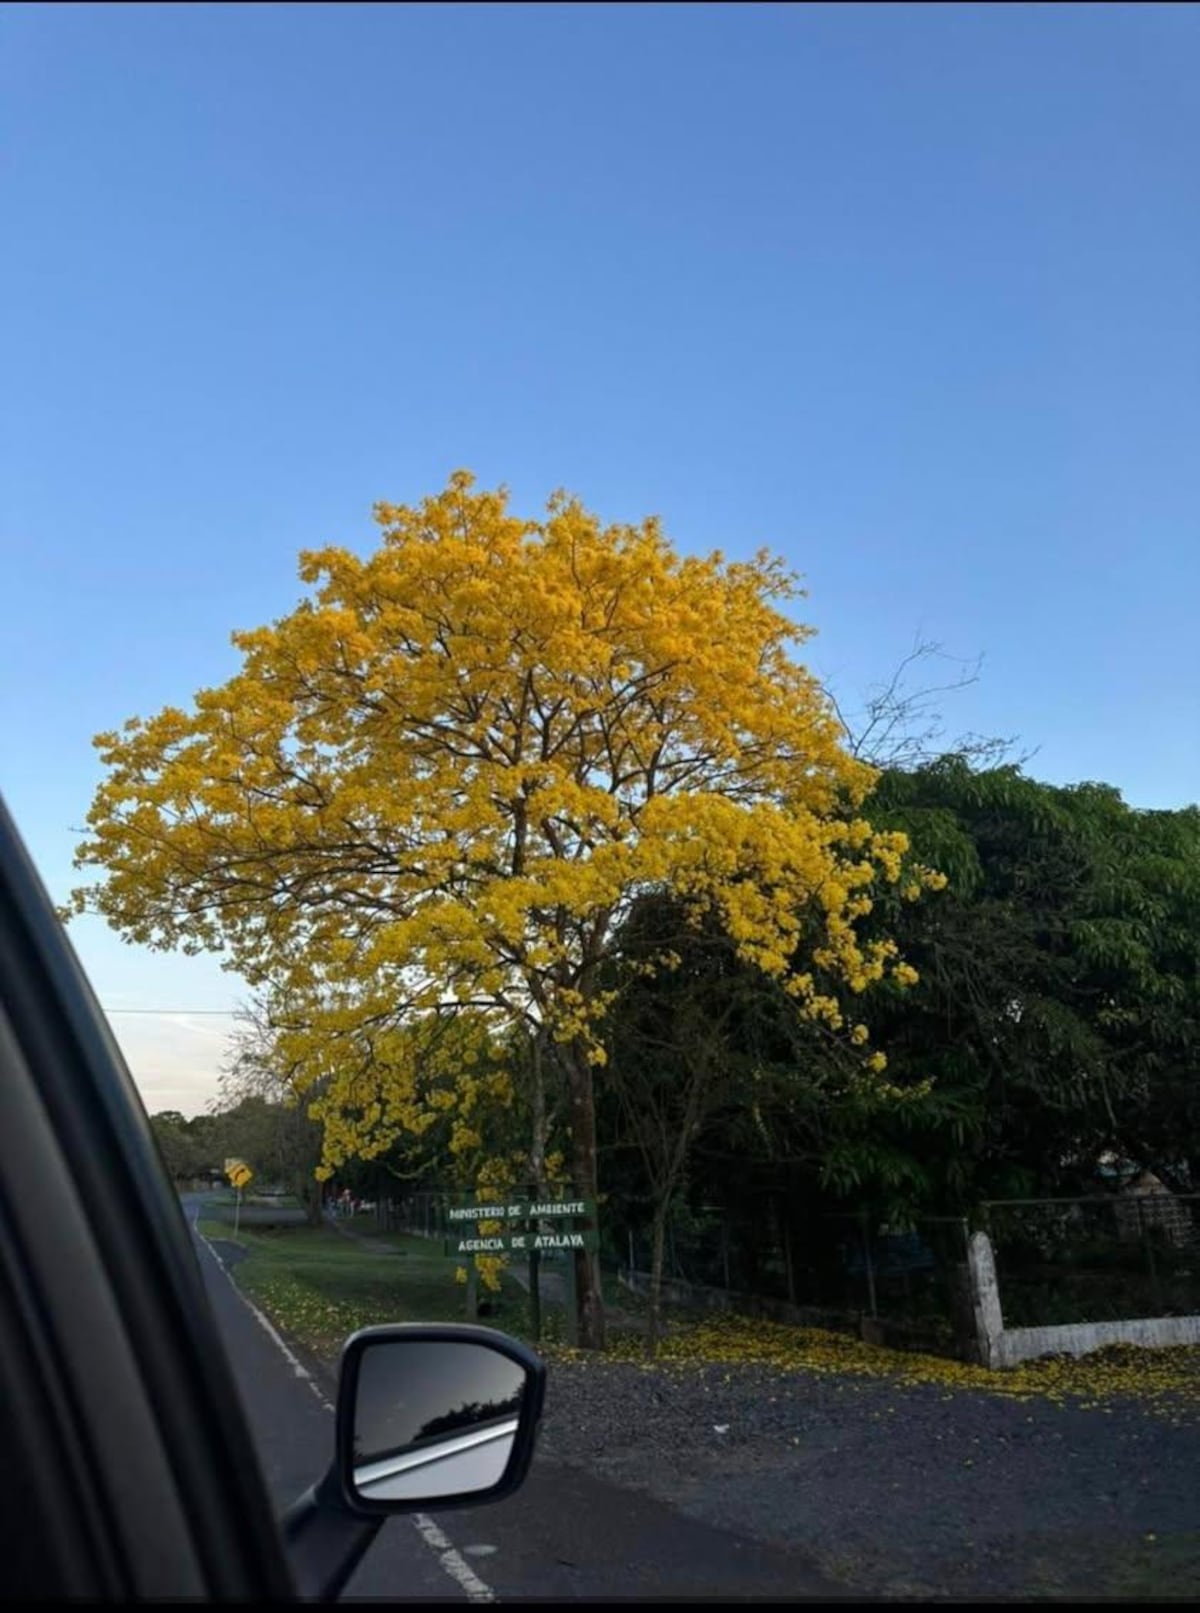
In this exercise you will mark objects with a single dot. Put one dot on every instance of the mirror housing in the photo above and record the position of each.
(434, 1416)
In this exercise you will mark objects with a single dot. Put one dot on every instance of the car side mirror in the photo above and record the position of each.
(435, 1416)
(427, 1417)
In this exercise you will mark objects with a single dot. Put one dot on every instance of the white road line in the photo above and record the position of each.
(451, 1560)
(297, 1366)
(455, 1564)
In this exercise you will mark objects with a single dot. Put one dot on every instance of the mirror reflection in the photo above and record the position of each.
(433, 1419)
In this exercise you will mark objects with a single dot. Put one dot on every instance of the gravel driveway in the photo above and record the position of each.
(901, 1490)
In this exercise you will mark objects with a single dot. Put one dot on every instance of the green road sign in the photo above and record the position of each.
(520, 1224)
(503, 1243)
(524, 1210)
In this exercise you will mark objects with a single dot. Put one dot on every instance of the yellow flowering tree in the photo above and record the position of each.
(435, 1093)
(440, 782)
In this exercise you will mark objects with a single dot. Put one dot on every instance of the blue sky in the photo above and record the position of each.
(909, 294)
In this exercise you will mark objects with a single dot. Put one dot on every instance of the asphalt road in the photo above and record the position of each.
(565, 1535)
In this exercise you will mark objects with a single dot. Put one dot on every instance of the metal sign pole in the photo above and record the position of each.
(535, 1295)
(571, 1285)
(237, 1212)
(472, 1280)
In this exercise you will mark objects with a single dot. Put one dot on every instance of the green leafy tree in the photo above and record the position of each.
(710, 1062)
(1057, 1009)
(182, 1150)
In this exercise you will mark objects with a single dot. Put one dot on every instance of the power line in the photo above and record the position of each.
(224, 1013)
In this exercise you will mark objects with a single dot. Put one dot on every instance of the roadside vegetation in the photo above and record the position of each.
(318, 1285)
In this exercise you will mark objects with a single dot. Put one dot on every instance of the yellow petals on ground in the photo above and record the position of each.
(1166, 1380)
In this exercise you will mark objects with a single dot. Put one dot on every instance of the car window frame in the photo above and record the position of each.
(67, 1077)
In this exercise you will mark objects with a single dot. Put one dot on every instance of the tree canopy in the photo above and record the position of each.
(1055, 1023)
(442, 780)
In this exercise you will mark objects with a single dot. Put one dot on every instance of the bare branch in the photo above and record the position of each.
(901, 726)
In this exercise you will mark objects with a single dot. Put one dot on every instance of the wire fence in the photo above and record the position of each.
(849, 1269)
(910, 1276)
(1058, 1261)
(420, 1214)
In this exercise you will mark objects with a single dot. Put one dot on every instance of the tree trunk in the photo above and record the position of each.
(537, 1172)
(537, 1140)
(310, 1197)
(656, 1275)
(589, 1294)
(788, 1266)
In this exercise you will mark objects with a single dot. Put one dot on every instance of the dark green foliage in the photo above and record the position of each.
(1057, 1017)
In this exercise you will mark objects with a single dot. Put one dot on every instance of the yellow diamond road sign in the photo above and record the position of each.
(238, 1172)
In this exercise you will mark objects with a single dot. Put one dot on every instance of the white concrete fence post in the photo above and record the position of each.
(985, 1298)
